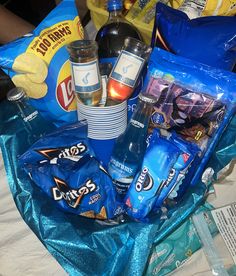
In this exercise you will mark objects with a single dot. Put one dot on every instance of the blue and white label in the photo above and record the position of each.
(122, 174)
(104, 91)
(86, 76)
(127, 68)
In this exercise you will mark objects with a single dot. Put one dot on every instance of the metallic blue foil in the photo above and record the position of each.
(83, 246)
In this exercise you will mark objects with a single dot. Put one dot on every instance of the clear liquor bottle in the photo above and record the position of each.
(130, 146)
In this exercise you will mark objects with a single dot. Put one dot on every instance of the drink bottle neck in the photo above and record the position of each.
(116, 15)
(141, 115)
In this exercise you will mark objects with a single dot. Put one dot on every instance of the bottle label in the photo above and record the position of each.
(104, 91)
(127, 68)
(193, 8)
(30, 117)
(86, 76)
(122, 174)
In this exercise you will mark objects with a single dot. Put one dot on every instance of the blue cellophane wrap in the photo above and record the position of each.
(84, 246)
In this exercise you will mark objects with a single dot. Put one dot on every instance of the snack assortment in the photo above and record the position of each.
(187, 106)
(131, 166)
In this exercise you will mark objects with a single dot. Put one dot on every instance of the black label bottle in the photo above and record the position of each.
(130, 146)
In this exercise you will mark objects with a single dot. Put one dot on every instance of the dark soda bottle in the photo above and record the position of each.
(129, 149)
(112, 34)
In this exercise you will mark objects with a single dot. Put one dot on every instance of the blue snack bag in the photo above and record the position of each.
(39, 62)
(62, 165)
(81, 187)
(67, 141)
(197, 102)
(193, 99)
(164, 169)
(210, 40)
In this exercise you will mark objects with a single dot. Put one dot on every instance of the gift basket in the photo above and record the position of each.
(111, 144)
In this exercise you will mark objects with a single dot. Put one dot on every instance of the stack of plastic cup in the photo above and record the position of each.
(105, 124)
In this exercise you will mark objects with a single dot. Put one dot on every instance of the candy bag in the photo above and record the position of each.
(194, 100)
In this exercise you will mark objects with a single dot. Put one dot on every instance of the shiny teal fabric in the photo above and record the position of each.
(83, 246)
(225, 151)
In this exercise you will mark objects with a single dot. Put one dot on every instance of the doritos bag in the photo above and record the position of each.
(39, 63)
(62, 165)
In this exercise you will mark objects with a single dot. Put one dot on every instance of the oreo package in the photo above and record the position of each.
(63, 166)
(164, 170)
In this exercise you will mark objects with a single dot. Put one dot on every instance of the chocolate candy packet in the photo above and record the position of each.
(193, 99)
(195, 115)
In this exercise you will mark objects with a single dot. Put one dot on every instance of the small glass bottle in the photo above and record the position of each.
(35, 124)
(128, 68)
(85, 71)
(130, 146)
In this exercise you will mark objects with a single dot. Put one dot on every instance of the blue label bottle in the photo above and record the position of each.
(130, 146)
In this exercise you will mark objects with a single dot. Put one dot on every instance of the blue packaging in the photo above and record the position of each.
(62, 165)
(79, 187)
(193, 99)
(164, 168)
(210, 39)
(205, 113)
(67, 141)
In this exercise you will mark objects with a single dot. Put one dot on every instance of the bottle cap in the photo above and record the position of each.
(15, 94)
(147, 98)
(114, 5)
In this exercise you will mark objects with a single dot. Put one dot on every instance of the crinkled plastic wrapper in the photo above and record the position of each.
(164, 169)
(89, 246)
(61, 164)
(205, 8)
(195, 101)
(219, 249)
(210, 40)
(39, 62)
